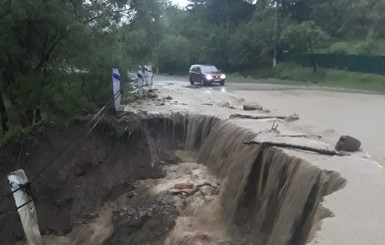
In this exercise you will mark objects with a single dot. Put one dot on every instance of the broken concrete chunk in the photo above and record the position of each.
(348, 143)
(252, 107)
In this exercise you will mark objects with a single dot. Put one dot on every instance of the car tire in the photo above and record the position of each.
(191, 81)
(203, 82)
(222, 82)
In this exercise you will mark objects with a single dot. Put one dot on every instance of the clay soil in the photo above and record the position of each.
(89, 174)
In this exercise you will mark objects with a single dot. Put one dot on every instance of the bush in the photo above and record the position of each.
(173, 54)
(339, 48)
(367, 47)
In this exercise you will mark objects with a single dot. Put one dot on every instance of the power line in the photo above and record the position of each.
(15, 209)
(116, 95)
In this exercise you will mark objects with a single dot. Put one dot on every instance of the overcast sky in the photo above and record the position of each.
(181, 3)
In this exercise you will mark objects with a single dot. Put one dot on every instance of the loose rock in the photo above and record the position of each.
(348, 143)
(252, 107)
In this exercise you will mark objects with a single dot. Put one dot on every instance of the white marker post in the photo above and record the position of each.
(116, 88)
(27, 213)
(140, 81)
(149, 75)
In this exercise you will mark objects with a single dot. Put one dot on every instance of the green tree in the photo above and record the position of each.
(47, 48)
(174, 54)
(305, 37)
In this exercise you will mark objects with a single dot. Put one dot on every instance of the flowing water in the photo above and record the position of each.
(268, 197)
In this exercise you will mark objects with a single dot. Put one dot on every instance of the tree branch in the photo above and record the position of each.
(47, 54)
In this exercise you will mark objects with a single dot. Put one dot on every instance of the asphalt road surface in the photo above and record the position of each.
(328, 113)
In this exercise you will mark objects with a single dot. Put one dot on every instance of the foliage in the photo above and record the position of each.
(339, 48)
(304, 36)
(330, 78)
(174, 53)
(56, 55)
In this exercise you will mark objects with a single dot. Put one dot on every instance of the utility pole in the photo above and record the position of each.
(275, 51)
(26, 207)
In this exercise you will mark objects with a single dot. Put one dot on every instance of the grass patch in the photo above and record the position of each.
(291, 74)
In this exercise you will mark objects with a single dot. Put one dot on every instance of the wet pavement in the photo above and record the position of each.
(327, 112)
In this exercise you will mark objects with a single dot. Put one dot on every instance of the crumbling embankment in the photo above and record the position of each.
(268, 196)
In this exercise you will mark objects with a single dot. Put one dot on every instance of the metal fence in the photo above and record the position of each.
(357, 63)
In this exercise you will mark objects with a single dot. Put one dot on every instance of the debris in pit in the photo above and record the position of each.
(252, 107)
(188, 189)
(348, 143)
(148, 224)
(168, 156)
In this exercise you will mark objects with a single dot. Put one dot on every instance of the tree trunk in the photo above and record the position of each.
(37, 115)
(26, 117)
(313, 63)
(4, 114)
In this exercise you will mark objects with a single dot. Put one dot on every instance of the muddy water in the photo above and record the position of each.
(264, 195)
(267, 197)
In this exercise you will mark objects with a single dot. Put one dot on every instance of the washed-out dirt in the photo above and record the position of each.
(110, 191)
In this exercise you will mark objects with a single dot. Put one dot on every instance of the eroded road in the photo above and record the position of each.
(328, 113)
(357, 209)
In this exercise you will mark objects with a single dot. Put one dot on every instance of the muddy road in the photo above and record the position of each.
(326, 112)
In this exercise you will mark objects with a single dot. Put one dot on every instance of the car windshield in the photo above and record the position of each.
(208, 69)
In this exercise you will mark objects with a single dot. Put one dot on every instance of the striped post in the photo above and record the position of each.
(27, 212)
(116, 88)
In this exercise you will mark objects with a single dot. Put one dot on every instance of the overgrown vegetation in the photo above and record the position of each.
(55, 56)
(292, 74)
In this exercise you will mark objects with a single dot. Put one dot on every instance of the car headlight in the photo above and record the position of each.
(223, 76)
(209, 77)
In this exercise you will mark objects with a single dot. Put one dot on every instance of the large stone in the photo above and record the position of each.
(348, 143)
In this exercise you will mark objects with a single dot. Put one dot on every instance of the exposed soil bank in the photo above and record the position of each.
(86, 176)
(266, 196)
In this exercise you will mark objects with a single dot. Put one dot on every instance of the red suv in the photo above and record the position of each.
(206, 75)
